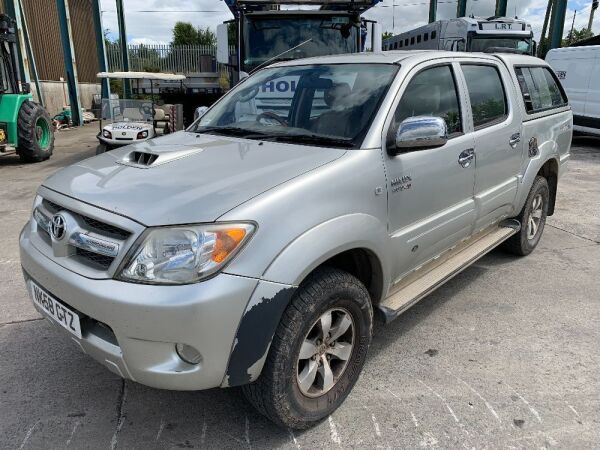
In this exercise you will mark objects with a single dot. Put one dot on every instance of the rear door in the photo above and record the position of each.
(496, 123)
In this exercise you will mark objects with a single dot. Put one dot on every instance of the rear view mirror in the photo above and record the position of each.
(421, 132)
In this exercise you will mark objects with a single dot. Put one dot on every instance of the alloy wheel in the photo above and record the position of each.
(325, 352)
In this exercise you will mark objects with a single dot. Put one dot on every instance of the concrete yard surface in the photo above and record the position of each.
(505, 355)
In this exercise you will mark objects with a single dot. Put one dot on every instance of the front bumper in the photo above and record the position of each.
(117, 142)
(147, 321)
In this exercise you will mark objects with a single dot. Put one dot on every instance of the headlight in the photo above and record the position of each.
(186, 254)
(142, 134)
(107, 134)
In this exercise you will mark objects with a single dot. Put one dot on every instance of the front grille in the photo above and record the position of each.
(105, 228)
(88, 256)
(100, 261)
(95, 225)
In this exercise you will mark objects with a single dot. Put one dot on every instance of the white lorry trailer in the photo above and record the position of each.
(471, 34)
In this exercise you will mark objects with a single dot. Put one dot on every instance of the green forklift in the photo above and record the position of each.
(24, 124)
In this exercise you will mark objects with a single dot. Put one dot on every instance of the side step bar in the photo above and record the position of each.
(426, 279)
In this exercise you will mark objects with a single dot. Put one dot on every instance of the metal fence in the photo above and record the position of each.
(183, 59)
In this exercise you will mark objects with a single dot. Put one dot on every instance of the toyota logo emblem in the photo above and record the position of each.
(58, 227)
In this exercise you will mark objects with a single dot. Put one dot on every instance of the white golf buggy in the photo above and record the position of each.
(127, 121)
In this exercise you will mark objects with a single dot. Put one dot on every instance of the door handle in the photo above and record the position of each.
(466, 158)
(514, 140)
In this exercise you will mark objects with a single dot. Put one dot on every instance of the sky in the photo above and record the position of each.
(151, 21)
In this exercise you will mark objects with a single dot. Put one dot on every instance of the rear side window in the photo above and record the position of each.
(540, 89)
(432, 92)
(486, 91)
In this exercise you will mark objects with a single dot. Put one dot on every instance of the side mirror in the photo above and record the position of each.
(200, 111)
(222, 44)
(419, 133)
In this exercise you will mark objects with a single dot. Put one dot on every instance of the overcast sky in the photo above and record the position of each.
(151, 21)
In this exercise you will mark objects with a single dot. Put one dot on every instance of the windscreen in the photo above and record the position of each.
(326, 105)
(481, 44)
(266, 38)
(125, 110)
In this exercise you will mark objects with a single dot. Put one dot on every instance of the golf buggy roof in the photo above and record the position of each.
(142, 76)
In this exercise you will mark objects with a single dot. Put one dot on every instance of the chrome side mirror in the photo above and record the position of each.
(421, 132)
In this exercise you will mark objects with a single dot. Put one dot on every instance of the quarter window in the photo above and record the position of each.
(432, 92)
(486, 91)
(540, 89)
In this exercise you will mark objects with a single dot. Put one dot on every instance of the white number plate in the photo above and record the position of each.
(55, 310)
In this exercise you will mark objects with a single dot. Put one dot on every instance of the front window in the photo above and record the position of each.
(264, 38)
(323, 105)
(481, 44)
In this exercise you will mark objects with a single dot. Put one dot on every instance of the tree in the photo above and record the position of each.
(206, 37)
(576, 36)
(184, 34)
(386, 35)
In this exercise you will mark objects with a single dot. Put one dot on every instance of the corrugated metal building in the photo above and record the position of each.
(44, 33)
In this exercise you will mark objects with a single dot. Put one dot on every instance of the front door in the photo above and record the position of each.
(430, 192)
(498, 140)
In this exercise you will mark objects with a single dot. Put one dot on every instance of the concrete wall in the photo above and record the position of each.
(55, 93)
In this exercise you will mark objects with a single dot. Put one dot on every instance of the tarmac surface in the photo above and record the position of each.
(505, 355)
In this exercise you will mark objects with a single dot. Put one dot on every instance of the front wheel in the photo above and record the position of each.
(532, 218)
(318, 351)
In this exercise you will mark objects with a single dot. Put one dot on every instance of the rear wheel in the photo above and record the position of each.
(36, 136)
(532, 218)
(318, 351)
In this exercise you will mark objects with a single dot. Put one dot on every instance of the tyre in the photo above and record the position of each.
(318, 351)
(36, 136)
(532, 219)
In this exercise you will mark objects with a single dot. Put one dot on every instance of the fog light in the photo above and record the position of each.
(188, 353)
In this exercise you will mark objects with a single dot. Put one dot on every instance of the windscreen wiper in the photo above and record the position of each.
(230, 131)
(310, 139)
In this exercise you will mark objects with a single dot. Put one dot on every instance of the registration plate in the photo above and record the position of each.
(55, 310)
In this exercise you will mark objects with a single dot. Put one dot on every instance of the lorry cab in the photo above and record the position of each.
(577, 69)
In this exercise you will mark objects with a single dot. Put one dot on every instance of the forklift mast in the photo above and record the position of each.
(9, 72)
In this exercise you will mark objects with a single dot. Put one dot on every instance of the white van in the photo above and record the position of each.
(578, 69)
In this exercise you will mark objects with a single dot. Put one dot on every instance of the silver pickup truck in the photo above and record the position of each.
(254, 248)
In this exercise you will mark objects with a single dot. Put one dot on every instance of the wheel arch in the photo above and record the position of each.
(352, 243)
(549, 169)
